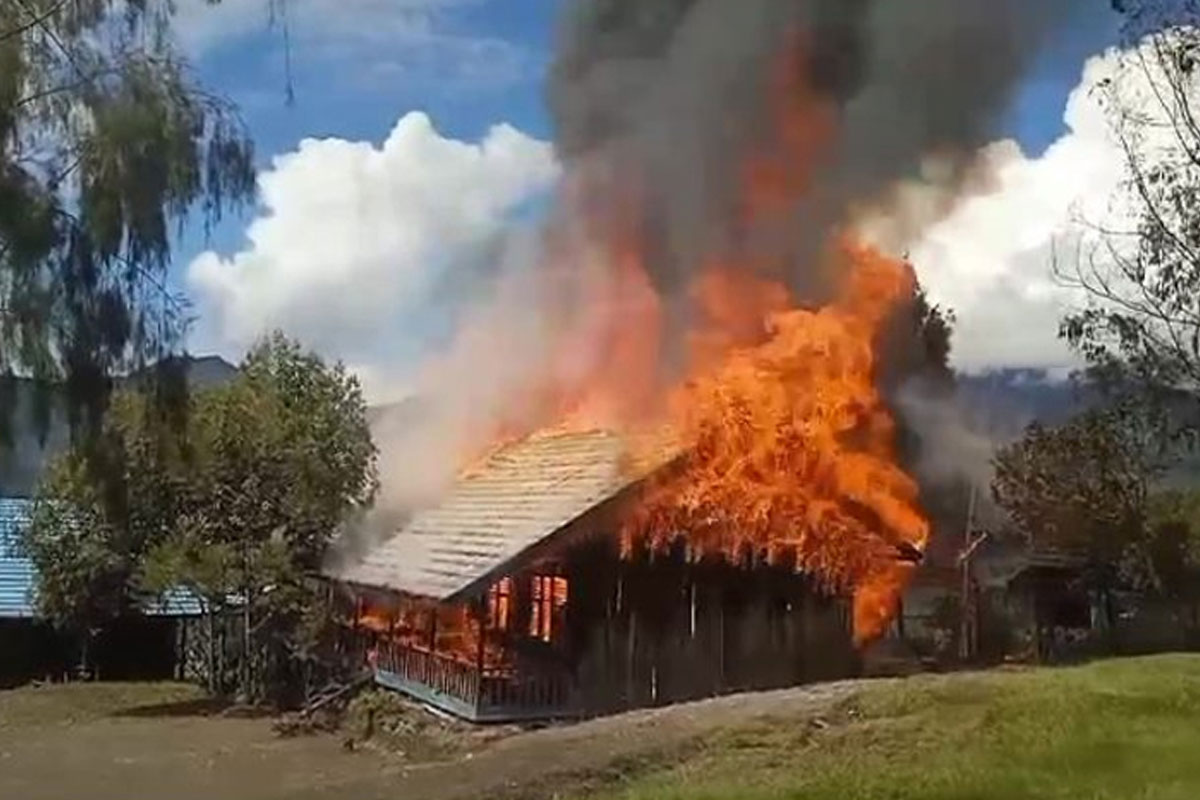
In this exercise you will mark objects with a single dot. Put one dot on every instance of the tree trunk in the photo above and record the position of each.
(84, 668)
(1110, 618)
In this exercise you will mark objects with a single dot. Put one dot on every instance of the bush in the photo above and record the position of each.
(388, 721)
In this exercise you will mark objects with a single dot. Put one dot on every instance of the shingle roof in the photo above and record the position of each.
(18, 576)
(520, 495)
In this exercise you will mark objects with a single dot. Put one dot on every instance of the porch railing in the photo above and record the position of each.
(542, 694)
(460, 688)
(441, 674)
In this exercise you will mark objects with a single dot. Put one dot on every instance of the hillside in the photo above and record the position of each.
(1000, 403)
(23, 459)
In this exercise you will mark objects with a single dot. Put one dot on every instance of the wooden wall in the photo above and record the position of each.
(658, 629)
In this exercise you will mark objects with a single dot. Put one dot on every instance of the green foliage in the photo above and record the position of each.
(107, 143)
(1172, 548)
(1089, 488)
(1081, 487)
(82, 572)
(237, 505)
(387, 720)
(935, 332)
(297, 431)
(87, 556)
(917, 343)
(1143, 327)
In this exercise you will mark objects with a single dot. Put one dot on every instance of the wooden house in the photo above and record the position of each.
(511, 598)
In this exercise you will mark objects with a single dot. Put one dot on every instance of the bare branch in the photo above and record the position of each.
(37, 21)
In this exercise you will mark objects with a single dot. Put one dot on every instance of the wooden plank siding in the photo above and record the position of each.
(645, 630)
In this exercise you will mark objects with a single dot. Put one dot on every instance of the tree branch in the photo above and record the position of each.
(37, 21)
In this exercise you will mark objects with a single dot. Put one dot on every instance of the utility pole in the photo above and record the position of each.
(964, 632)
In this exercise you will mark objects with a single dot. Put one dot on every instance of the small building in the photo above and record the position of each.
(511, 599)
(1040, 596)
(151, 645)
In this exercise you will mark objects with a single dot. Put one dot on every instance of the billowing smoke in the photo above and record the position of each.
(952, 446)
(678, 91)
(657, 106)
(671, 96)
(501, 339)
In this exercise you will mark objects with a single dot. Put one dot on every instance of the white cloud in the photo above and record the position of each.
(991, 259)
(359, 250)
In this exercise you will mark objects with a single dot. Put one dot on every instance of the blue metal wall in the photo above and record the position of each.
(16, 571)
(18, 578)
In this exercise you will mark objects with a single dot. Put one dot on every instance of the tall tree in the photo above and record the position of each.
(107, 145)
(1142, 268)
(238, 505)
(1082, 488)
(1170, 567)
(88, 538)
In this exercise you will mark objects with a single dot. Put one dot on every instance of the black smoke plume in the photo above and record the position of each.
(675, 94)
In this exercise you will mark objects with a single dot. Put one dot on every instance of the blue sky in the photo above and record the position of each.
(1036, 117)
(469, 65)
(351, 96)
(360, 93)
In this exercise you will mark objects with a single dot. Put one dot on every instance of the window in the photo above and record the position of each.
(548, 598)
(499, 604)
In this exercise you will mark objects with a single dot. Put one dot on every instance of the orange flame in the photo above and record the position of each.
(789, 444)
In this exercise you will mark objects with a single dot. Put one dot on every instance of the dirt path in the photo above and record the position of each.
(173, 759)
(531, 764)
(49, 751)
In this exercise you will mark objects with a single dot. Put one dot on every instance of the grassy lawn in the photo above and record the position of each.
(1117, 729)
(78, 703)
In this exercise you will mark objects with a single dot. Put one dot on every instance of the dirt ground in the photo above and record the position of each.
(60, 742)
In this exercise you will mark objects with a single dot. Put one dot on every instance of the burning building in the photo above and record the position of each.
(704, 272)
(514, 598)
(750, 538)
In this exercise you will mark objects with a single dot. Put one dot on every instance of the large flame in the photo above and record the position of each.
(789, 444)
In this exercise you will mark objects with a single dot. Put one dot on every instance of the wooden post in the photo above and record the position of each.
(721, 632)
(211, 616)
(964, 633)
(479, 654)
(481, 619)
(180, 647)
(631, 659)
(692, 606)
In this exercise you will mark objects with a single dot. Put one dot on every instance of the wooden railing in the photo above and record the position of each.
(440, 673)
(491, 696)
(536, 695)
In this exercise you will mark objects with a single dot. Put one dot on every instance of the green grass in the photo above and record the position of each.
(70, 704)
(1118, 729)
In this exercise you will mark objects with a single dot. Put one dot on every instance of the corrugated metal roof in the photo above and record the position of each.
(18, 577)
(517, 497)
(1000, 566)
(16, 571)
(176, 602)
